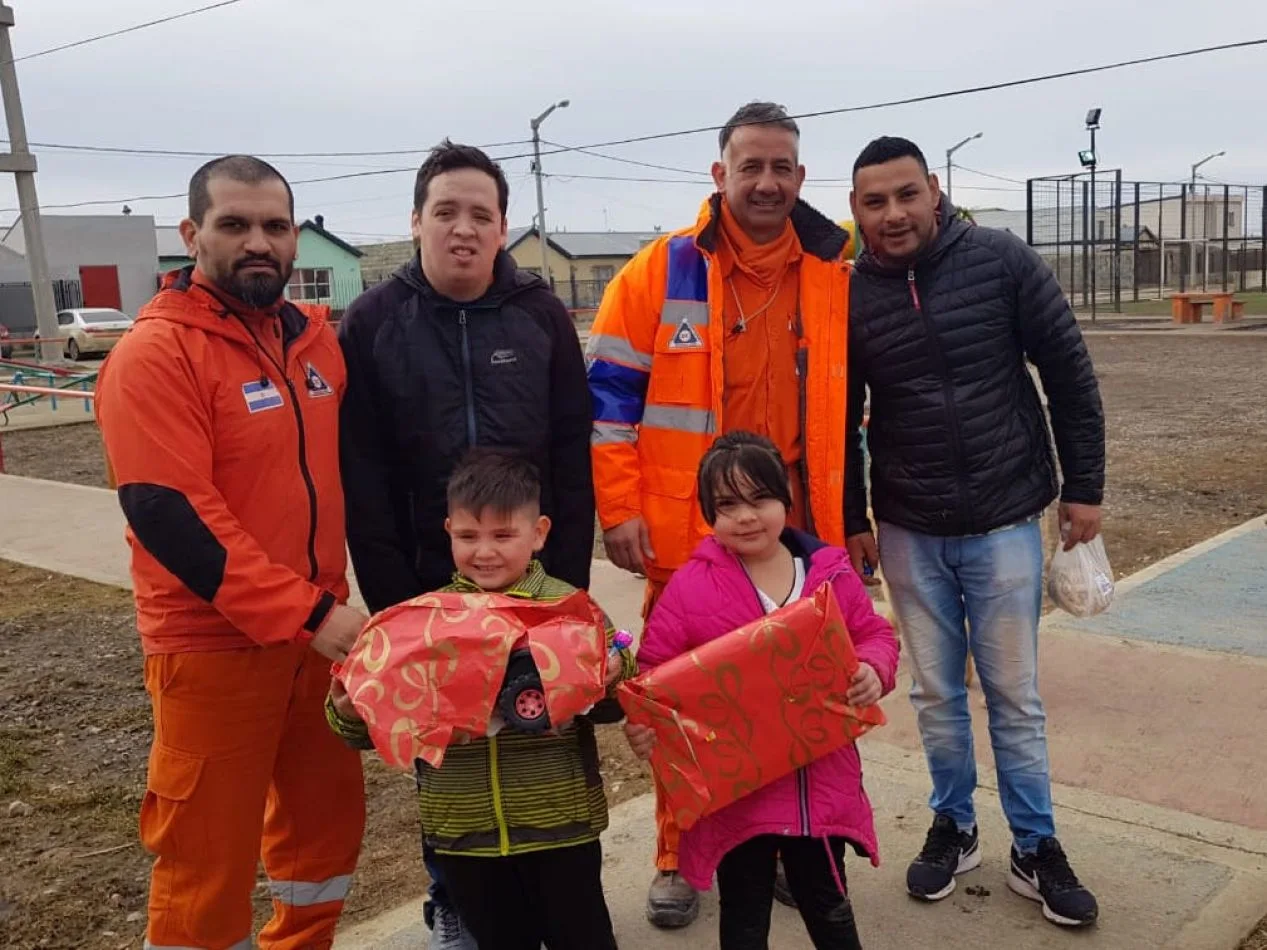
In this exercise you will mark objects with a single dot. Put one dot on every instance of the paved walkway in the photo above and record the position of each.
(1156, 713)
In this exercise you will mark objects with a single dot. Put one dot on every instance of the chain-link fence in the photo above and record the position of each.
(1110, 240)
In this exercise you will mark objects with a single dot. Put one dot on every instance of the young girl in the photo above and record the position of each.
(753, 565)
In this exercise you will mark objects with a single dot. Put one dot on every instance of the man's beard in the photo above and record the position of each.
(258, 290)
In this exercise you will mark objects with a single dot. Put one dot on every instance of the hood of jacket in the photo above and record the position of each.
(951, 229)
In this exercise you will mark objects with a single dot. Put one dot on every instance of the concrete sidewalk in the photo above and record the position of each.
(1155, 713)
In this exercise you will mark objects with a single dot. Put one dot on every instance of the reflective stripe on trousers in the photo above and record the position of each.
(308, 893)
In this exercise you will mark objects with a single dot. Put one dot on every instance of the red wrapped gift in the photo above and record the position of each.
(428, 672)
(747, 708)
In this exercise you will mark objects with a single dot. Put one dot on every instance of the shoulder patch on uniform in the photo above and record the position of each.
(316, 384)
(685, 337)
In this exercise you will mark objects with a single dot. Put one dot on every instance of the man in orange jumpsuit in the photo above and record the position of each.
(739, 322)
(219, 411)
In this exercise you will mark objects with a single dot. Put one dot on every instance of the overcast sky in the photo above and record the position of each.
(331, 75)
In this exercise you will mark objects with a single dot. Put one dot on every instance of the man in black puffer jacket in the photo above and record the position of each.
(943, 319)
(458, 349)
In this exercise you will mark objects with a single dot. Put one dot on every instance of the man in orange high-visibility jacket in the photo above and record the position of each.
(739, 322)
(220, 415)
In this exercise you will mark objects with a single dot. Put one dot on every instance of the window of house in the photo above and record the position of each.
(1231, 218)
(310, 283)
(604, 273)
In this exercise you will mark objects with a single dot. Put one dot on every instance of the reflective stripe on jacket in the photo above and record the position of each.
(656, 378)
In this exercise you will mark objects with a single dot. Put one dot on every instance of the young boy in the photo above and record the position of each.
(514, 820)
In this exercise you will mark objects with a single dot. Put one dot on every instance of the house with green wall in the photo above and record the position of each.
(327, 269)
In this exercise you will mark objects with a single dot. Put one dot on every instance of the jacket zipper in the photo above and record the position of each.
(503, 831)
(802, 779)
(309, 484)
(952, 413)
(469, 380)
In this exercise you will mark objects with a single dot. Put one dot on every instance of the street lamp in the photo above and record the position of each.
(1208, 158)
(950, 153)
(1089, 159)
(541, 201)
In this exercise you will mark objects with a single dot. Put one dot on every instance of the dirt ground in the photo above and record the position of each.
(1186, 460)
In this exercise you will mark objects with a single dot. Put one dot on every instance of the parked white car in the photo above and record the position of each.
(91, 330)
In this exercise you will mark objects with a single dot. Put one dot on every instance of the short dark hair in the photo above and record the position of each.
(739, 457)
(448, 157)
(888, 148)
(498, 479)
(757, 113)
(246, 169)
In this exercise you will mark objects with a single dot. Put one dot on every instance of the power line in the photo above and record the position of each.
(950, 94)
(126, 29)
(974, 171)
(911, 100)
(626, 161)
(183, 153)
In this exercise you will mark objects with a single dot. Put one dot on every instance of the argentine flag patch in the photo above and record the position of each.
(261, 395)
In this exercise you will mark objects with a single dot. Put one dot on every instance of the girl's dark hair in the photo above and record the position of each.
(741, 462)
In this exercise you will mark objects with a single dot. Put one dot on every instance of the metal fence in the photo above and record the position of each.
(17, 304)
(1111, 240)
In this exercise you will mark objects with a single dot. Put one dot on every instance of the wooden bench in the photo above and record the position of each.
(1187, 307)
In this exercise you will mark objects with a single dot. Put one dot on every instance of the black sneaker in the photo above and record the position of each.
(1045, 876)
(947, 852)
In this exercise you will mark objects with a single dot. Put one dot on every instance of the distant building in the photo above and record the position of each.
(582, 263)
(111, 257)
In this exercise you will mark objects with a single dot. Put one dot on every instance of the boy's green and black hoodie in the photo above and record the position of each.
(513, 793)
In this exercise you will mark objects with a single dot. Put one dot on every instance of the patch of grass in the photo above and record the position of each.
(32, 592)
(12, 764)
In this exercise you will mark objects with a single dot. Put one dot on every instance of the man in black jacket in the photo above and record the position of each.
(459, 348)
(943, 319)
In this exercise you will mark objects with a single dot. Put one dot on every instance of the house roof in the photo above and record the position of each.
(331, 237)
(574, 244)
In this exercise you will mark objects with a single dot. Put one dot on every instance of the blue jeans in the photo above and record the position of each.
(982, 593)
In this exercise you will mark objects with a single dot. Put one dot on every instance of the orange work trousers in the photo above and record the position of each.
(667, 834)
(244, 768)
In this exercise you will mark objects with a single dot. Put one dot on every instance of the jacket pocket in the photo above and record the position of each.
(681, 369)
(671, 512)
(171, 780)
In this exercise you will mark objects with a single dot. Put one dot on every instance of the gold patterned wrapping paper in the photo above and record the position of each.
(426, 674)
(747, 708)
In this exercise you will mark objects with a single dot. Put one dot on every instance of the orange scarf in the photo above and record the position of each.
(763, 264)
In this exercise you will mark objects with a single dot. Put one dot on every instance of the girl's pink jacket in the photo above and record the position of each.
(712, 595)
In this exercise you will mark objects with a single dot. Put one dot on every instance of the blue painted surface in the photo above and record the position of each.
(1217, 601)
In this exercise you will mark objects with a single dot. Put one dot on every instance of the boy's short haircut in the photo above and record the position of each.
(494, 479)
(737, 460)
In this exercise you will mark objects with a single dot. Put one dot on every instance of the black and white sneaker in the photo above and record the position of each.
(1046, 877)
(947, 852)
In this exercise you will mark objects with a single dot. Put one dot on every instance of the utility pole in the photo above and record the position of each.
(541, 201)
(950, 152)
(21, 164)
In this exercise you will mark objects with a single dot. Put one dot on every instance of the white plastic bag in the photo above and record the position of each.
(1080, 582)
